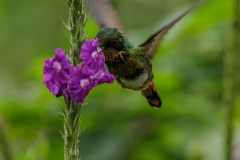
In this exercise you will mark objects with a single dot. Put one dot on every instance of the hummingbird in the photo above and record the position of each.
(130, 64)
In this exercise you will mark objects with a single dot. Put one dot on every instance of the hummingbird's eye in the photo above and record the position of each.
(114, 41)
(116, 44)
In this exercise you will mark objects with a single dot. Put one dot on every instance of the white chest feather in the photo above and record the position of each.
(137, 83)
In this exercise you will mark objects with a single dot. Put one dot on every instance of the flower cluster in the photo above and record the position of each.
(61, 78)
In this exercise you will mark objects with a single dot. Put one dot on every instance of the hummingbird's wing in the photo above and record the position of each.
(150, 46)
(106, 15)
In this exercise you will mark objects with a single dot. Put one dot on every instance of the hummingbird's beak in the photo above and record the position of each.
(99, 50)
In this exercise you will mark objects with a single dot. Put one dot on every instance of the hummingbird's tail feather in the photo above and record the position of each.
(152, 96)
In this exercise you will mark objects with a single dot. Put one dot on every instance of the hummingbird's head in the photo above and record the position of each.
(110, 39)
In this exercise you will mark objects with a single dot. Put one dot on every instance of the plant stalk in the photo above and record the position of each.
(6, 151)
(72, 111)
(76, 22)
(230, 73)
(72, 130)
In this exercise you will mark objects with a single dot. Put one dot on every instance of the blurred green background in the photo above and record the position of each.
(118, 124)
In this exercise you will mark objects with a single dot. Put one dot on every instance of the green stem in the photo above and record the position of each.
(76, 22)
(72, 111)
(71, 131)
(230, 69)
(6, 152)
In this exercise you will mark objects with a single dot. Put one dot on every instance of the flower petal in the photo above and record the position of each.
(79, 84)
(56, 73)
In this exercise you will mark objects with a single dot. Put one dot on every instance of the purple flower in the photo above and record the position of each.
(79, 84)
(100, 75)
(94, 63)
(56, 73)
(63, 79)
(89, 51)
(93, 73)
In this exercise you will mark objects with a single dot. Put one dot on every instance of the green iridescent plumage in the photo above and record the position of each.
(126, 61)
(131, 64)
